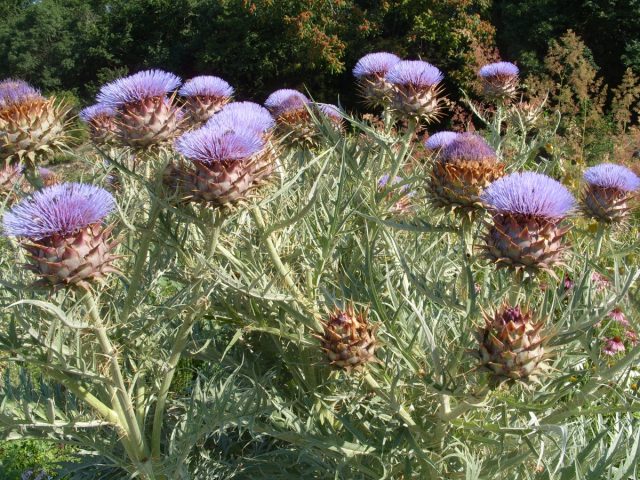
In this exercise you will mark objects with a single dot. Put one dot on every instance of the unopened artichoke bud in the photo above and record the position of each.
(370, 72)
(101, 120)
(437, 142)
(464, 167)
(609, 189)
(146, 116)
(204, 96)
(527, 232)
(416, 89)
(61, 227)
(30, 124)
(499, 80)
(348, 339)
(511, 346)
(226, 164)
(294, 126)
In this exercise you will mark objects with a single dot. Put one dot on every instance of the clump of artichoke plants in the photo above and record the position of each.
(288, 291)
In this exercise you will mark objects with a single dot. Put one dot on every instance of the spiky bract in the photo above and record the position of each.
(348, 338)
(30, 124)
(370, 73)
(464, 167)
(609, 189)
(204, 96)
(527, 210)
(416, 89)
(100, 119)
(511, 346)
(499, 80)
(61, 229)
(225, 164)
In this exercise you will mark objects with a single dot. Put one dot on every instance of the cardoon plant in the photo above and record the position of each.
(30, 124)
(499, 80)
(464, 167)
(370, 72)
(440, 140)
(527, 232)
(101, 120)
(146, 116)
(61, 228)
(204, 95)
(609, 189)
(227, 163)
(416, 89)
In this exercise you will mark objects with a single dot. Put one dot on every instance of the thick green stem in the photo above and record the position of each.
(217, 221)
(176, 352)
(122, 394)
(141, 257)
(599, 239)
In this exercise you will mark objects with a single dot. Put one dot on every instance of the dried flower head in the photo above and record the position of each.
(463, 168)
(138, 87)
(499, 80)
(608, 191)
(440, 140)
(13, 92)
(61, 228)
(527, 210)
(243, 115)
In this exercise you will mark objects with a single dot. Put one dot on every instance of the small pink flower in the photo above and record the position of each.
(612, 346)
(617, 315)
(568, 284)
(600, 281)
(632, 336)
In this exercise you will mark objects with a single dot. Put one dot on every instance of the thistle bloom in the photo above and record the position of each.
(100, 119)
(527, 210)
(612, 346)
(293, 121)
(440, 140)
(416, 89)
(30, 124)
(243, 115)
(332, 113)
(226, 164)
(499, 80)
(463, 168)
(205, 95)
(61, 229)
(608, 191)
(370, 73)
(146, 116)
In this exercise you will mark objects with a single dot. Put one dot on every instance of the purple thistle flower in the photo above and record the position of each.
(440, 140)
(330, 111)
(415, 73)
(466, 147)
(243, 115)
(530, 194)
(499, 69)
(58, 210)
(13, 92)
(612, 346)
(285, 100)
(98, 110)
(375, 64)
(610, 175)
(206, 86)
(214, 144)
(138, 87)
